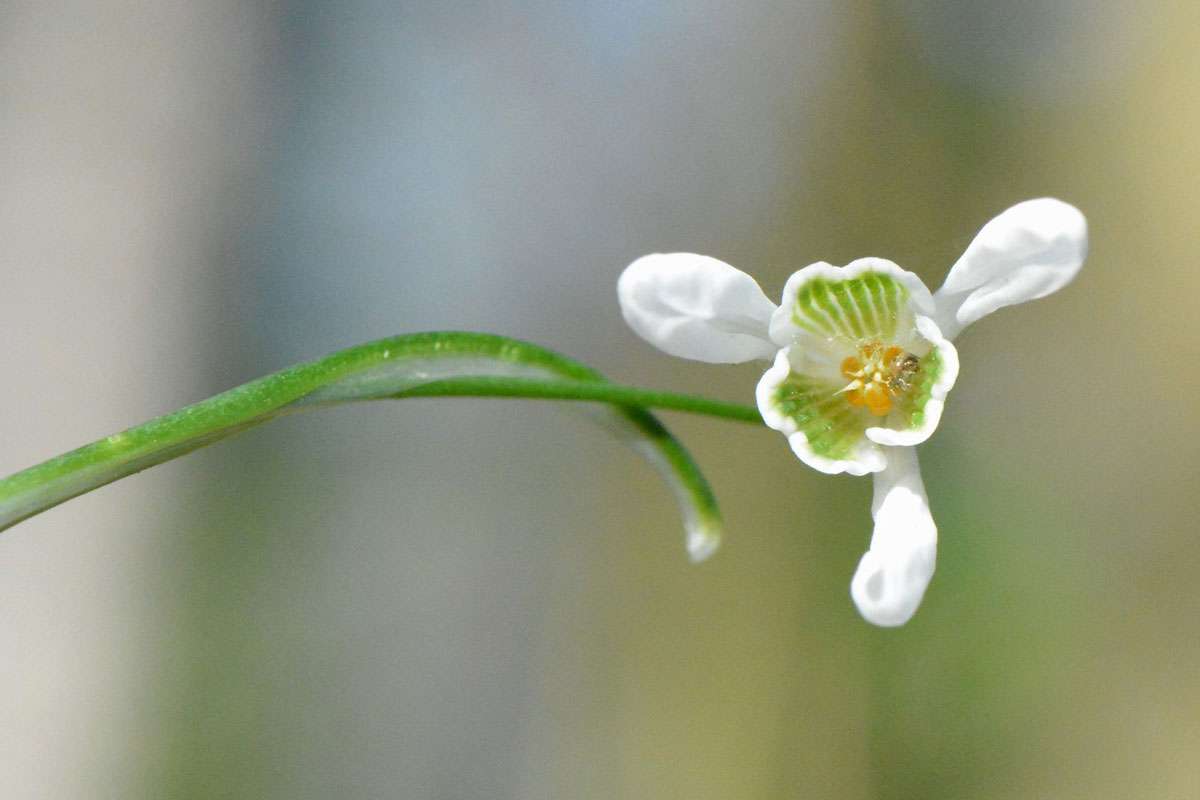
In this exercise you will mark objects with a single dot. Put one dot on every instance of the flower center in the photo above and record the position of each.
(877, 375)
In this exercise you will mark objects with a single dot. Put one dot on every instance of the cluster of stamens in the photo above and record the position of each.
(878, 375)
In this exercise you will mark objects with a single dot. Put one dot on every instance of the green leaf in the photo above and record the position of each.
(416, 365)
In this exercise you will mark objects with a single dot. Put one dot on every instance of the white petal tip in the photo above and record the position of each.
(888, 594)
(702, 542)
(895, 571)
(1057, 216)
(1027, 252)
(696, 307)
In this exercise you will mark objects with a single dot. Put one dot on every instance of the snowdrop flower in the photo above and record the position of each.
(862, 362)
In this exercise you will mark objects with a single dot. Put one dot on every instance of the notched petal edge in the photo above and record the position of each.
(845, 301)
(830, 442)
(929, 397)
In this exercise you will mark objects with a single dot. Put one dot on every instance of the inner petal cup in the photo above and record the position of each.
(861, 365)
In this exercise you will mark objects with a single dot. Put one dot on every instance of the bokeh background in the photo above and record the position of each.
(489, 599)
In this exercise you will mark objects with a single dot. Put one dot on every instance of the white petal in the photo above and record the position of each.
(792, 319)
(696, 307)
(931, 413)
(893, 574)
(1029, 251)
(865, 456)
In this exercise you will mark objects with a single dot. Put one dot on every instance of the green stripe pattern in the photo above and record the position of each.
(831, 425)
(872, 305)
(913, 405)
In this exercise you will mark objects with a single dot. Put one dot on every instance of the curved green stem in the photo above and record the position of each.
(451, 364)
(613, 393)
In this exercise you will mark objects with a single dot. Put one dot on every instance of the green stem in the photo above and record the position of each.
(446, 364)
(613, 393)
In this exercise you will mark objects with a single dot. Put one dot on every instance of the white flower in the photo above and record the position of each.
(862, 362)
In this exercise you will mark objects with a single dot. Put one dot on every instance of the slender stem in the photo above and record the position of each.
(615, 394)
(433, 364)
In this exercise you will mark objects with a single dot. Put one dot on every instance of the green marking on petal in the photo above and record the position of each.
(849, 307)
(896, 296)
(806, 315)
(885, 312)
(867, 306)
(831, 426)
(861, 295)
(824, 299)
(927, 378)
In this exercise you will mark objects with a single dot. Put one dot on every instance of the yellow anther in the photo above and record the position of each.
(877, 375)
(879, 402)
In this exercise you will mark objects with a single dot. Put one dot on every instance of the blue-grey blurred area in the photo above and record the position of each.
(490, 599)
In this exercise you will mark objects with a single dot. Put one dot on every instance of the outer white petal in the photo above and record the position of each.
(696, 307)
(937, 395)
(892, 575)
(1029, 251)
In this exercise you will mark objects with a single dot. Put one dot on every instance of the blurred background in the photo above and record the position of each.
(490, 599)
